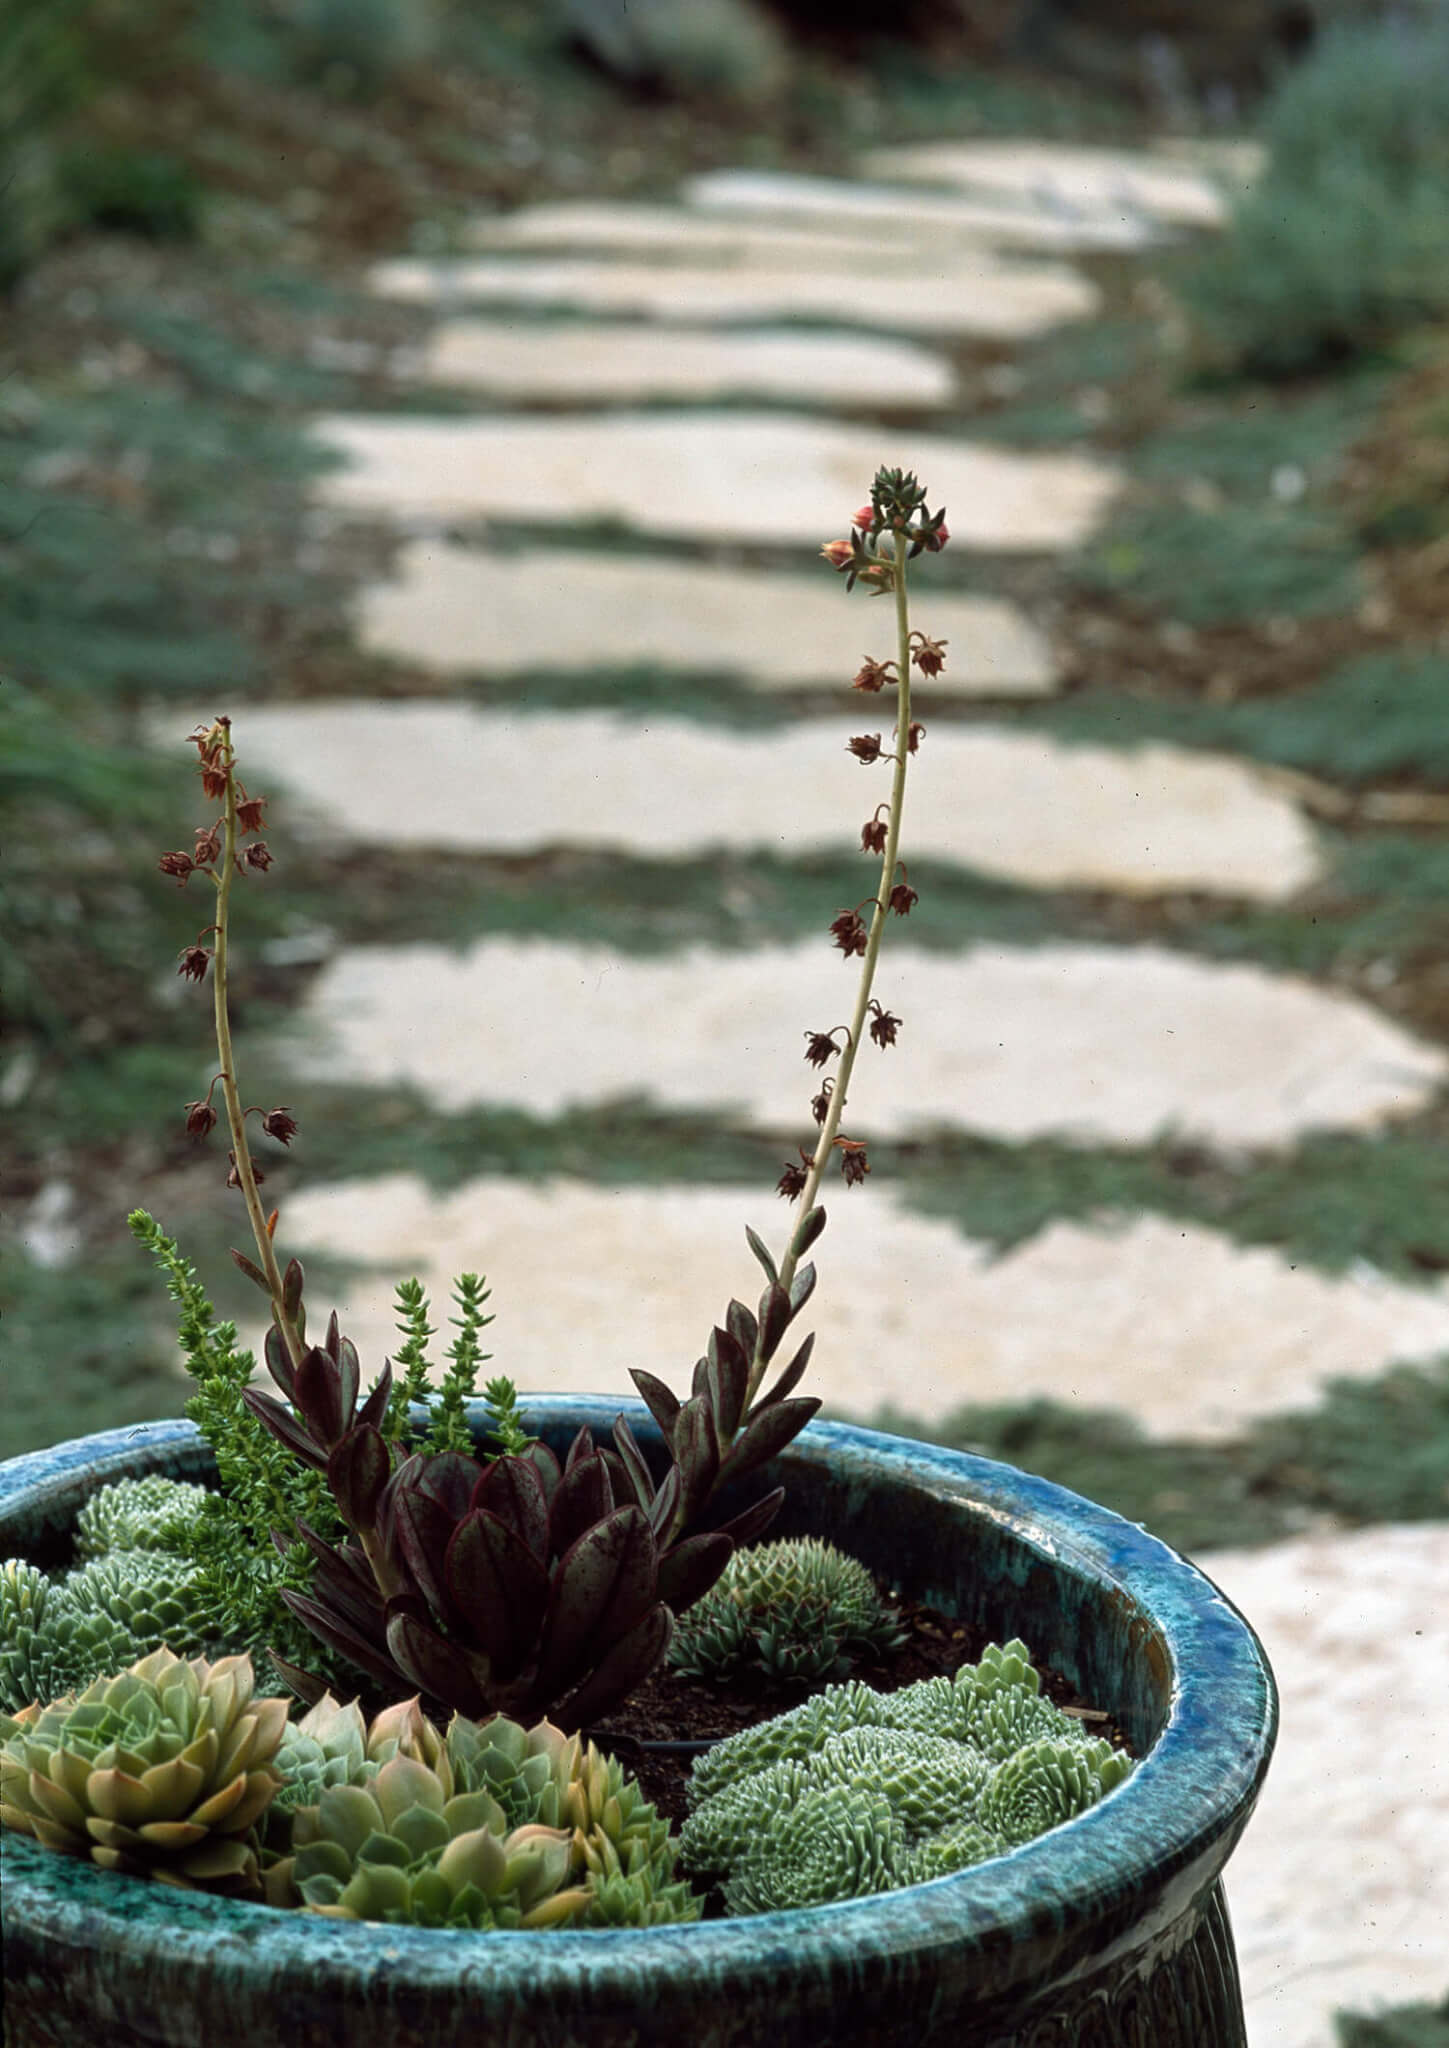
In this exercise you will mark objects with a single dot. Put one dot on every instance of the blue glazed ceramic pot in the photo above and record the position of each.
(1111, 1932)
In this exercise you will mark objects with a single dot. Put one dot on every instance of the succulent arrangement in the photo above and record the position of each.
(858, 1791)
(799, 1609)
(501, 1597)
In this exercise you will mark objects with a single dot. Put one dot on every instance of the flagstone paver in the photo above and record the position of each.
(730, 476)
(1016, 804)
(450, 609)
(1097, 1044)
(984, 300)
(1338, 1889)
(1060, 177)
(1192, 1335)
(684, 235)
(1049, 225)
(588, 361)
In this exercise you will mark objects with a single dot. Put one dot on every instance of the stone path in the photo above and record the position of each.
(978, 298)
(1139, 822)
(1096, 1044)
(452, 610)
(585, 361)
(1194, 1336)
(1338, 1889)
(753, 477)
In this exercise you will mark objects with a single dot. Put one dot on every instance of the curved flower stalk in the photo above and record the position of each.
(857, 1792)
(523, 1585)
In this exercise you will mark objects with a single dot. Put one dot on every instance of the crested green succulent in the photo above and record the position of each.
(160, 1771)
(57, 1635)
(796, 1734)
(1047, 1782)
(799, 1609)
(528, 1789)
(841, 1844)
(962, 1769)
(153, 1513)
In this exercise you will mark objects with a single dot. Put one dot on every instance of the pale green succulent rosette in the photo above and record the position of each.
(401, 1849)
(961, 1768)
(153, 1513)
(799, 1609)
(571, 1839)
(161, 1771)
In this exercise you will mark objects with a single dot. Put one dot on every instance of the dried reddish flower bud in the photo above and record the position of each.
(883, 1026)
(820, 1105)
(178, 864)
(194, 962)
(873, 674)
(792, 1182)
(902, 897)
(233, 1179)
(257, 855)
(864, 518)
(930, 655)
(838, 553)
(913, 737)
(865, 746)
(853, 1163)
(850, 932)
(213, 775)
(821, 1047)
(873, 836)
(249, 813)
(200, 1118)
(280, 1123)
(208, 845)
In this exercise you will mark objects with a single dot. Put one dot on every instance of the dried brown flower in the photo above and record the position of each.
(853, 1163)
(208, 845)
(280, 1123)
(820, 1104)
(850, 932)
(257, 855)
(213, 775)
(884, 1026)
(929, 655)
(873, 674)
(873, 836)
(820, 1048)
(249, 813)
(902, 897)
(233, 1179)
(178, 864)
(865, 746)
(913, 737)
(194, 962)
(200, 1118)
(791, 1183)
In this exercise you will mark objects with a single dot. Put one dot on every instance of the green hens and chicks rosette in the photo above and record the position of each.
(796, 1609)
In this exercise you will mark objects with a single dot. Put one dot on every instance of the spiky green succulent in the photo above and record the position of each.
(798, 1609)
(527, 1789)
(962, 1768)
(160, 1771)
(57, 1635)
(154, 1513)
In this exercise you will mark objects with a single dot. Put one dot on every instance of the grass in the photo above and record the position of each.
(1371, 1451)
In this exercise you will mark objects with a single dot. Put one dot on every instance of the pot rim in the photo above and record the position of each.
(1151, 1847)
